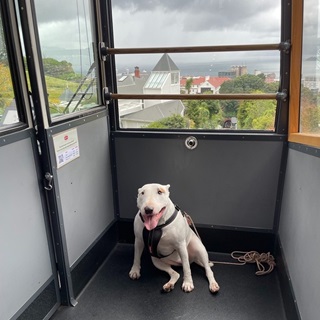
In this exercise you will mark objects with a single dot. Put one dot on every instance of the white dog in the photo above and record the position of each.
(164, 229)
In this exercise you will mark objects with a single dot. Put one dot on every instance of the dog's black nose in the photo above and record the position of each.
(148, 210)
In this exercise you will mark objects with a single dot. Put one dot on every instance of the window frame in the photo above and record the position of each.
(16, 67)
(294, 135)
(37, 75)
(282, 110)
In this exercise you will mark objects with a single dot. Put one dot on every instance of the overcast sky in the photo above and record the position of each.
(168, 22)
(191, 22)
(147, 23)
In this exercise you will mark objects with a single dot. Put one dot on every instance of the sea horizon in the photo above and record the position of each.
(212, 69)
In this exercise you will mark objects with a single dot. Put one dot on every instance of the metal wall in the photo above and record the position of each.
(25, 268)
(84, 195)
(231, 182)
(299, 227)
(84, 185)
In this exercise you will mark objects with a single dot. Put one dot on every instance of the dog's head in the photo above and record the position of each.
(152, 202)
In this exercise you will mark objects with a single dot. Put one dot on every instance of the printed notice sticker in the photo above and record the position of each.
(66, 147)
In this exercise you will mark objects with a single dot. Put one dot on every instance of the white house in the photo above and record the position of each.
(163, 79)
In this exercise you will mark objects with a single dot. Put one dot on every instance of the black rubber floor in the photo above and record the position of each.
(113, 295)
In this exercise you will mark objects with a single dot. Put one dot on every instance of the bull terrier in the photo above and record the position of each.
(164, 229)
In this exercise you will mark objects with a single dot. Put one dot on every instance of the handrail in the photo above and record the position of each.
(285, 46)
(244, 96)
(222, 48)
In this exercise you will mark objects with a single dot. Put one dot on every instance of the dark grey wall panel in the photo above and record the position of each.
(85, 188)
(299, 230)
(224, 183)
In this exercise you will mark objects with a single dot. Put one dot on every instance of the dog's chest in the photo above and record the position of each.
(158, 242)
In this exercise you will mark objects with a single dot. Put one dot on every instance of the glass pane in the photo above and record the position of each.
(169, 24)
(67, 55)
(167, 77)
(8, 110)
(310, 99)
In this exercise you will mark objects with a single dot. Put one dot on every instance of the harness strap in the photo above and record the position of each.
(152, 238)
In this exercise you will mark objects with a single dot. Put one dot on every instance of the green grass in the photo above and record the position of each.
(56, 87)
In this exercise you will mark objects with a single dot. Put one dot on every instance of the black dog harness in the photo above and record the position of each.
(151, 238)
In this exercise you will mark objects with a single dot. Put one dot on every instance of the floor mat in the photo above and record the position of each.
(111, 294)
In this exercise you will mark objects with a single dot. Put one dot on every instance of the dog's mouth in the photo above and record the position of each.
(152, 220)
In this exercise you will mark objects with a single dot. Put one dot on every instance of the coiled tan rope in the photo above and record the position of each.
(260, 259)
(243, 257)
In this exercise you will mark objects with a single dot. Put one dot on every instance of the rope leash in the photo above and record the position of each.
(243, 257)
(260, 259)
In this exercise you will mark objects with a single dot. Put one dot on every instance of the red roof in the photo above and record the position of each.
(217, 81)
(197, 81)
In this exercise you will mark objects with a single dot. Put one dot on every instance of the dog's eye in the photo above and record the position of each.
(160, 192)
(142, 192)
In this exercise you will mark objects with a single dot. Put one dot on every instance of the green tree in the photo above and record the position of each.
(3, 50)
(308, 97)
(176, 121)
(244, 84)
(189, 84)
(205, 114)
(196, 110)
(256, 115)
(6, 91)
(213, 107)
(247, 83)
(272, 87)
(58, 69)
(309, 112)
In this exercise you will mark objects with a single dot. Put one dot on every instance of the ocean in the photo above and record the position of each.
(211, 68)
(209, 65)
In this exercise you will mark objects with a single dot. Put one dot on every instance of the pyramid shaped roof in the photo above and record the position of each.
(165, 64)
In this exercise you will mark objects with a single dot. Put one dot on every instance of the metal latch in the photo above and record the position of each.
(103, 51)
(191, 142)
(48, 176)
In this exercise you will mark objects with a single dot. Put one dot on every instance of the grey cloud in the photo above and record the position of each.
(203, 15)
(229, 8)
(66, 10)
(196, 15)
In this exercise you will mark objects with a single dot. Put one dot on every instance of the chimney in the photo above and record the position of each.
(136, 72)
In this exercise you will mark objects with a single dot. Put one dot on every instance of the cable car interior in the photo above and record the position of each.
(220, 100)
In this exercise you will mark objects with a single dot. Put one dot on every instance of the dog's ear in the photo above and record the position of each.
(168, 186)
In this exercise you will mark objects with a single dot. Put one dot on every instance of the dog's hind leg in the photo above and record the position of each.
(174, 276)
(200, 256)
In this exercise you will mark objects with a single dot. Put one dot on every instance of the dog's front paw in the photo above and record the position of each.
(214, 287)
(169, 286)
(134, 273)
(187, 286)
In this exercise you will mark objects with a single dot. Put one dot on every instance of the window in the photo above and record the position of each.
(65, 32)
(304, 95)
(8, 110)
(310, 78)
(143, 24)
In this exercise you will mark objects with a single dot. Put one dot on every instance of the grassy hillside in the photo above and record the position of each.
(56, 87)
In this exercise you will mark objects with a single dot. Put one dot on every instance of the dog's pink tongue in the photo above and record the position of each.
(151, 221)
